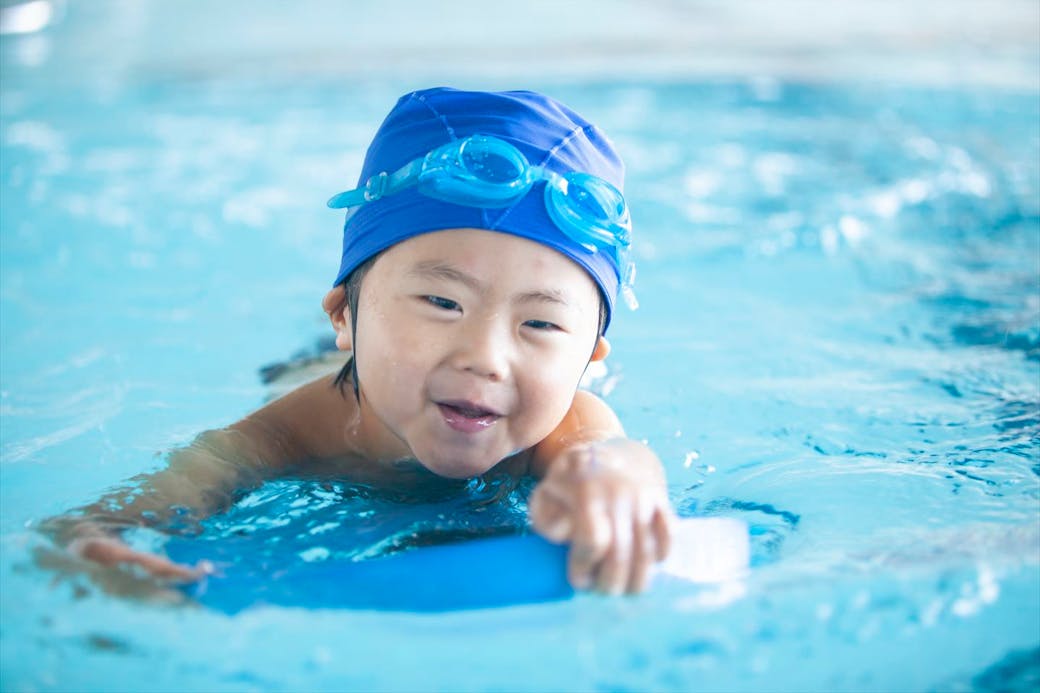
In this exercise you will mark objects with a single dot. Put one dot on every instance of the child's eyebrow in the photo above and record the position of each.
(433, 269)
(552, 296)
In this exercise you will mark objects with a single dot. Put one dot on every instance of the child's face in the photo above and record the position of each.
(470, 345)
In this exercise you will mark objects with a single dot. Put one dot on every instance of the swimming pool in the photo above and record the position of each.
(838, 342)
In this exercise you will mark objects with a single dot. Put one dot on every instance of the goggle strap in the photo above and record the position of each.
(347, 199)
(378, 186)
(404, 177)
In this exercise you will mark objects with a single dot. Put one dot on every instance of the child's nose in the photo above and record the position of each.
(484, 351)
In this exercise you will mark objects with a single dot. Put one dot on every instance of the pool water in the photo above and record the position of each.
(838, 342)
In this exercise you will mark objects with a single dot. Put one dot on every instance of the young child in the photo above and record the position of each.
(483, 253)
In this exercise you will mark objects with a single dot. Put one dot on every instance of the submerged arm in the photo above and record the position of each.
(203, 477)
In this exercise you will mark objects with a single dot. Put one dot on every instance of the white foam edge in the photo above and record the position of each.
(708, 550)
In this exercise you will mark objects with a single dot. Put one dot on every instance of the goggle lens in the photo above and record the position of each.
(596, 199)
(489, 163)
(590, 210)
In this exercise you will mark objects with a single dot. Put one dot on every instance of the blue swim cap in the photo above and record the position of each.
(548, 134)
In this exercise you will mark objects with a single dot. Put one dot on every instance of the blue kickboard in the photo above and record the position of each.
(475, 574)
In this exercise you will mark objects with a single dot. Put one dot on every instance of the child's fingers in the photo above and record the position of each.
(108, 551)
(589, 545)
(639, 568)
(662, 530)
(549, 515)
(644, 555)
(614, 571)
(165, 568)
(582, 564)
(103, 551)
(634, 565)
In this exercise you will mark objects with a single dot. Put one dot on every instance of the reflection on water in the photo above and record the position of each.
(307, 520)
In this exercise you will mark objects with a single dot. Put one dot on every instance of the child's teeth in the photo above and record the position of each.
(471, 413)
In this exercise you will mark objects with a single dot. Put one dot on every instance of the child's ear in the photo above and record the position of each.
(601, 350)
(335, 305)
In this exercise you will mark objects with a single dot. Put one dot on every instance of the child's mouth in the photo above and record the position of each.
(467, 417)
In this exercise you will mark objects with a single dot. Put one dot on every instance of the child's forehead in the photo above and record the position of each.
(490, 257)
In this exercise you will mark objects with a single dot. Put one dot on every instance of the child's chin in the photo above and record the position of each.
(456, 468)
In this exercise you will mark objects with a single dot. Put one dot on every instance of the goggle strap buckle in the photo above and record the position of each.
(375, 187)
(629, 296)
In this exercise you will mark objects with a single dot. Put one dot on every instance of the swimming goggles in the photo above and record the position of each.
(487, 172)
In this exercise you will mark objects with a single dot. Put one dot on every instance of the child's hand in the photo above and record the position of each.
(609, 501)
(109, 551)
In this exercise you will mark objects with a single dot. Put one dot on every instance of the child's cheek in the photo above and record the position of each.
(552, 389)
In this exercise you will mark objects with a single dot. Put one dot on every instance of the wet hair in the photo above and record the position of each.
(352, 288)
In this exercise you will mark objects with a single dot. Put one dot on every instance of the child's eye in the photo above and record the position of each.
(542, 325)
(442, 303)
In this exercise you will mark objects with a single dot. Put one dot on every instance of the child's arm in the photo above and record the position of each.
(605, 495)
(198, 479)
(203, 477)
